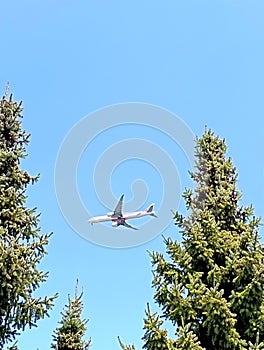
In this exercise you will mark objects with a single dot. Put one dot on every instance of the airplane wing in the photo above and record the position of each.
(129, 226)
(119, 207)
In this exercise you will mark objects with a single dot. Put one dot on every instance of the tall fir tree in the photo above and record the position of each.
(211, 285)
(22, 246)
(69, 335)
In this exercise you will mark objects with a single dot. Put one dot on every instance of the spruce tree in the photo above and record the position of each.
(211, 285)
(69, 335)
(22, 246)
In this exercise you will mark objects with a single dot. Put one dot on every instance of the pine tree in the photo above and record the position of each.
(155, 337)
(211, 285)
(69, 335)
(22, 246)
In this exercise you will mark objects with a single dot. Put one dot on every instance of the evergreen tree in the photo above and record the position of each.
(22, 246)
(210, 286)
(69, 335)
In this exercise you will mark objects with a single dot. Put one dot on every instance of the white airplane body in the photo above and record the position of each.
(118, 218)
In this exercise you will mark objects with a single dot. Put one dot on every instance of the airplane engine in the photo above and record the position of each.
(115, 224)
(110, 213)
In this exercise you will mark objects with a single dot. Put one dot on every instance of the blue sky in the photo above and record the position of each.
(200, 60)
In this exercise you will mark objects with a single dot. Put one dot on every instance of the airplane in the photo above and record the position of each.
(118, 218)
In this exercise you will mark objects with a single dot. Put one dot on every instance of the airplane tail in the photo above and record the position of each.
(151, 211)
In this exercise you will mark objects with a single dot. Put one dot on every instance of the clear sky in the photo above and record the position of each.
(200, 60)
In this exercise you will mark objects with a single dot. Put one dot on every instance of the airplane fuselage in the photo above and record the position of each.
(132, 215)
